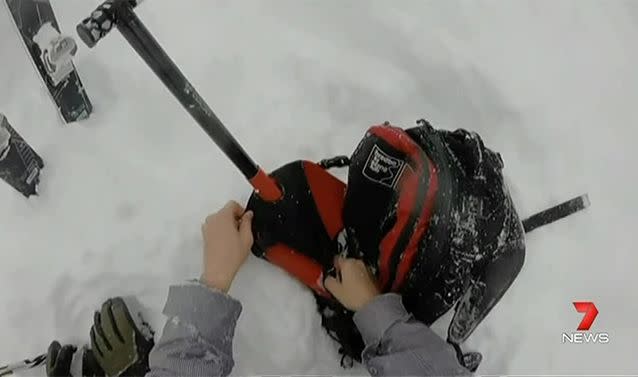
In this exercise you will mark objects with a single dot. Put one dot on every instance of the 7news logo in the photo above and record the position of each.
(584, 335)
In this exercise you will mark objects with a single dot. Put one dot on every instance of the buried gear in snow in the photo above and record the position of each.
(429, 213)
(426, 209)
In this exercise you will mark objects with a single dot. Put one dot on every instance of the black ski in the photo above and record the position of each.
(556, 213)
(19, 165)
(51, 54)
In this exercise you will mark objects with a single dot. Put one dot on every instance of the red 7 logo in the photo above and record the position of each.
(590, 311)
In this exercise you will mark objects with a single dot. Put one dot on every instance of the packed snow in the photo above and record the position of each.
(552, 85)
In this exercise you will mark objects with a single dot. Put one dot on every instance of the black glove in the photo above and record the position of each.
(59, 359)
(119, 346)
(90, 366)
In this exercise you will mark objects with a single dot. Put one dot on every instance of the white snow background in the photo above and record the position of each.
(552, 85)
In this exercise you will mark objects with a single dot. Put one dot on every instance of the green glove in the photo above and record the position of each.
(119, 346)
(59, 359)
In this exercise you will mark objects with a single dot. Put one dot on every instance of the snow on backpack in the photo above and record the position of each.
(428, 211)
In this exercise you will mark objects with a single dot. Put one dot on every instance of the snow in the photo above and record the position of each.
(550, 85)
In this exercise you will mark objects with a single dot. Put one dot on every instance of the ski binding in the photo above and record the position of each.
(57, 52)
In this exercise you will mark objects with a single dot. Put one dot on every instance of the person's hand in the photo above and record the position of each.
(59, 359)
(118, 345)
(228, 238)
(356, 286)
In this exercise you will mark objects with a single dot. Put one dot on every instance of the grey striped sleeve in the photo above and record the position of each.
(398, 345)
(198, 336)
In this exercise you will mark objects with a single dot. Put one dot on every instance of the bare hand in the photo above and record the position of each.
(228, 238)
(357, 284)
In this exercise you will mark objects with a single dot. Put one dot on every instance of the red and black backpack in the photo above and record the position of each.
(429, 213)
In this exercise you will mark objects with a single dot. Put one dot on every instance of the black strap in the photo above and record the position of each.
(335, 162)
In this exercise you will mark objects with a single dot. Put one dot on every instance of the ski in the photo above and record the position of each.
(556, 213)
(10, 369)
(19, 164)
(51, 53)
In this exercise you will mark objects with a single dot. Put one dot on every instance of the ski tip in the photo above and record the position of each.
(556, 213)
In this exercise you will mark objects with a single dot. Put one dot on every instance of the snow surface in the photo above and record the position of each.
(552, 85)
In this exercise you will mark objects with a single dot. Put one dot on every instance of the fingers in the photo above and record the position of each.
(94, 344)
(120, 309)
(107, 325)
(337, 261)
(234, 209)
(52, 354)
(59, 359)
(245, 230)
(347, 264)
(98, 340)
(90, 365)
(231, 212)
(355, 286)
(65, 357)
(99, 332)
(334, 286)
(54, 349)
(122, 318)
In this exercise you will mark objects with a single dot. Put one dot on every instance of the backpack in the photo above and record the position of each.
(428, 211)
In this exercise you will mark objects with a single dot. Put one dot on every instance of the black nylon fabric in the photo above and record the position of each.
(474, 224)
(369, 207)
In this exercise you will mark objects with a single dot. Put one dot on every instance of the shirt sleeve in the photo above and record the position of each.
(398, 345)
